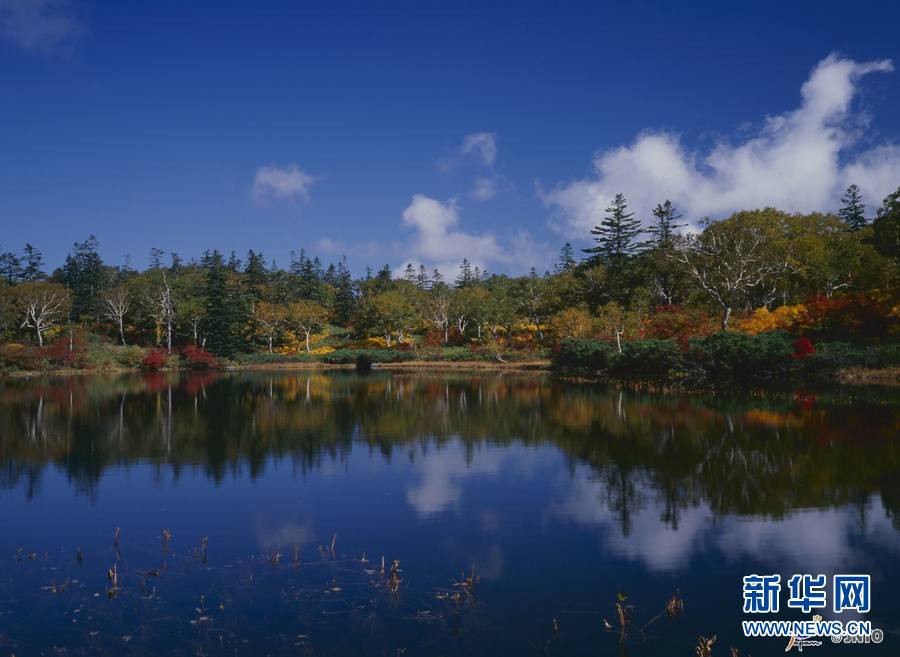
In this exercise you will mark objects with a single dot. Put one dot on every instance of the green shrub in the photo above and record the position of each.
(459, 354)
(130, 357)
(583, 358)
(656, 361)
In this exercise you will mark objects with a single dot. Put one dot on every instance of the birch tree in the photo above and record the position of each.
(42, 306)
(733, 257)
(114, 305)
(304, 317)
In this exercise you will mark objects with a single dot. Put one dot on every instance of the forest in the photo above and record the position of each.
(765, 284)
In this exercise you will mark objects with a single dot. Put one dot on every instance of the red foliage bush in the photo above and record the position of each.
(803, 347)
(155, 360)
(845, 317)
(433, 339)
(198, 359)
(17, 357)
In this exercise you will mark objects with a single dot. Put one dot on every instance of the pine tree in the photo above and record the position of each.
(34, 265)
(664, 223)
(436, 277)
(84, 274)
(853, 212)
(422, 279)
(256, 271)
(410, 272)
(615, 235)
(566, 261)
(345, 297)
(221, 315)
(10, 267)
(156, 255)
(466, 277)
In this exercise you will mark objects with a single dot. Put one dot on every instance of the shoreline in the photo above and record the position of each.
(854, 376)
(539, 365)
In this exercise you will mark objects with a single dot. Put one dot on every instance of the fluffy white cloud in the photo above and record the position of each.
(40, 25)
(802, 160)
(288, 183)
(438, 243)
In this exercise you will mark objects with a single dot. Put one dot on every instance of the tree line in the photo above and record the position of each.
(753, 271)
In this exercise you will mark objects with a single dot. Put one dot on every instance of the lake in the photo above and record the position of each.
(327, 513)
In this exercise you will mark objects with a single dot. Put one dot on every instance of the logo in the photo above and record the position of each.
(803, 641)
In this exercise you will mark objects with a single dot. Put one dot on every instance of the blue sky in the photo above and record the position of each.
(428, 131)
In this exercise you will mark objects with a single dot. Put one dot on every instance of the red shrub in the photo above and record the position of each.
(845, 317)
(66, 351)
(155, 360)
(198, 359)
(19, 357)
(803, 348)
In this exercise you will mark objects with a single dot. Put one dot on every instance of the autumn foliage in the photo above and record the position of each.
(196, 358)
(155, 360)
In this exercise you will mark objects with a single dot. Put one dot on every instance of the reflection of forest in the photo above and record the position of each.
(738, 455)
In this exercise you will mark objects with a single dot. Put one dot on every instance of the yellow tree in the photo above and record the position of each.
(572, 323)
(304, 317)
(269, 318)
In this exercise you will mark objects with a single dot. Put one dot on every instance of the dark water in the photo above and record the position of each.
(559, 497)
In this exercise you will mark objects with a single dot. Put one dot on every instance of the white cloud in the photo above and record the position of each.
(40, 25)
(288, 183)
(482, 146)
(802, 160)
(438, 243)
(478, 149)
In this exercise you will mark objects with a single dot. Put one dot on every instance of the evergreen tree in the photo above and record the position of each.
(853, 211)
(234, 263)
(615, 235)
(466, 277)
(410, 273)
(10, 268)
(221, 315)
(177, 264)
(34, 265)
(296, 265)
(383, 279)
(331, 276)
(256, 272)
(345, 297)
(566, 262)
(156, 258)
(84, 274)
(664, 223)
(309, 281)
(422, 279)
(436, 277)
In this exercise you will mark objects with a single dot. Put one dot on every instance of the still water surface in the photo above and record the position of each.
(559, 496)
